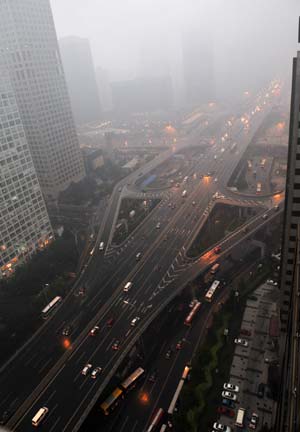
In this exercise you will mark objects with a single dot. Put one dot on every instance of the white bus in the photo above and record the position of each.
(239, 422)
(39, 416)
(210, 293)
(214, 268)
(156, 420)
(184, 194)
(51, 306)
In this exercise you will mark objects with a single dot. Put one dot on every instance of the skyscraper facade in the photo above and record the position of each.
(292, 200)
(24, 222)
(80, 75)
(29, 48)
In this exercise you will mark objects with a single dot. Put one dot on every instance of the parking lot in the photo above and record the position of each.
(249, 369)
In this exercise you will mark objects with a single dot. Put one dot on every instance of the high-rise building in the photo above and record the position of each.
(292, 198)
(287, 416)
(80, 75)
(24, 222)
(198, 69)
(29, 48)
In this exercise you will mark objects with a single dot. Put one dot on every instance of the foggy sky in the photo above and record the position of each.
(251, 39)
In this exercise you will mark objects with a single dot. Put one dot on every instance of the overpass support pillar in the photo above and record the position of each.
(262, 247)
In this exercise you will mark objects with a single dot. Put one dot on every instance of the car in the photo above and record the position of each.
(168, 354)
(101, 246)
(4, 418)
(94, 330)
(265, 216)
(231, 387)
(261, 390)
(216, 180)
(229, 395)
(276, 207)
(135, 321)
(92, 251)
(127, 286)
(192, 303)
(158, 225)
(116, 345)
(242, 342)
(152, 377)
(179, 345)
(138, 256)
(86, 369)
(96, 372)
(271, 361)
(253, 421)
(194, 203)
(220, 427)
(110, 322)
(81, 291)
(119, 189)
(222, 410)
(228, 403)
(217, 249)
(245, 332)
(67, 331)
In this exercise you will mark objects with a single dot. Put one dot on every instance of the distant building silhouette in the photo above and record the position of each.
(80, 74)
(142, 95)
(104, 89)
(29, 49)
(198, 69)
(24, 222)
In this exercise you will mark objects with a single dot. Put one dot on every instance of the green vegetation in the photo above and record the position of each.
(210, 370)
(50, 266)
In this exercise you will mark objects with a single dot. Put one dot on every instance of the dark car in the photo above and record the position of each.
(228, 403)
(152, 377)
(168, 354)
(261, 390)
(217, 249)
(110, 322)
(222, 410)
(67, 331)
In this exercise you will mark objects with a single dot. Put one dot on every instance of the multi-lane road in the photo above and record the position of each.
(47, 372)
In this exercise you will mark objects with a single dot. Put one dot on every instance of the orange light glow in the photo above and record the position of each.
(170, 129)
(280, 125)
(144, 398)
(67, 344)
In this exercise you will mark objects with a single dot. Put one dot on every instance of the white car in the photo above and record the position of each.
(221, 427)
(231, 387)
(94, 331)
(242, 342)
(96, 372)
(254, 421)
(158, 225)
(101, 246)
(135, 321)
(228, 395)
(86, 369)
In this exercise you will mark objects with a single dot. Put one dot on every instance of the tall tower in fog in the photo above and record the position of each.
(29, 48)
(24, 222)
(198, 69)
(79, 69)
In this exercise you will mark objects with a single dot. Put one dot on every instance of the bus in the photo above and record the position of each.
(156, 420)
(119, 392)
(214, 268)
(112, 401)
(190, 317)
(210, 293)
(258, 188)
(51, 306)
(239, 422)
(131, 381)
(175, 398)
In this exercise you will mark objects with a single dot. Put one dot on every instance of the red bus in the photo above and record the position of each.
(190, 317)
